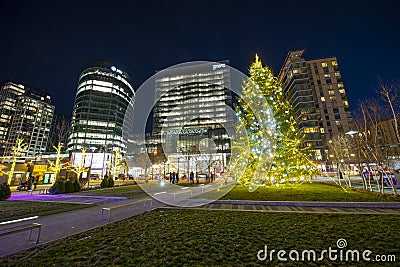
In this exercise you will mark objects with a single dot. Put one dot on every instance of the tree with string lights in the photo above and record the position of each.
(273, 151)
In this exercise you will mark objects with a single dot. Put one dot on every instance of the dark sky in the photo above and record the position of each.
(46, 44)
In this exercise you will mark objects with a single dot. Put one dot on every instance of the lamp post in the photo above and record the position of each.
(177, 174)
(164, 169)
(167, 166)
(91, 161)
(351, 133)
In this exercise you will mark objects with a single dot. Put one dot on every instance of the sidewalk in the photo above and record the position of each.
(307, 207)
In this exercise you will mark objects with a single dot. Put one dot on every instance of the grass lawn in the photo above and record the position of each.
(129, 191)
(16, 209)
(304, 192)
(179, 237)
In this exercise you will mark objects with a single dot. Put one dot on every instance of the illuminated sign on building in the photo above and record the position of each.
(218, 66)
(94, 160)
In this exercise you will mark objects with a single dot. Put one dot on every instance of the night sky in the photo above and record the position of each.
(46, 44)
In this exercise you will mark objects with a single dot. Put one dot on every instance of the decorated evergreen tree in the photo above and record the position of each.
(269, 146)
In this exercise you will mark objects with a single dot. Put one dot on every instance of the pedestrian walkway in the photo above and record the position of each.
(306, 207)
(264, 208)
(65, 198)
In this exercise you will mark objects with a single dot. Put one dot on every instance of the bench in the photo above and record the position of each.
(43, 191)
(184, 190)
(202, 186)
(22, 227)
(109, 209)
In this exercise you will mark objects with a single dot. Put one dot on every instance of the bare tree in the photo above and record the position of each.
(62, 129)
(373, 140)
(81, 167)
(144, 162)
(339, 146)
(389, 93)
(117, 164)
(18, 149)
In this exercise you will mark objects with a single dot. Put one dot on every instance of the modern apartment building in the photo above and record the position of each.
(316, 89)
(103, 95)
(28, 115)
(9, 94)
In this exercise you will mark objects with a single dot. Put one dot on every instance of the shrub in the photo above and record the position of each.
(110, 182)
(57, 188)
(104, 183)
(77, 186)
(5, 191)
(69, 187)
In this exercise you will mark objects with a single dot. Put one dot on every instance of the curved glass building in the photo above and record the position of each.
(103, 95)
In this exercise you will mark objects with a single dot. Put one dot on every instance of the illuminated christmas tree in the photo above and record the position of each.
(269, 145)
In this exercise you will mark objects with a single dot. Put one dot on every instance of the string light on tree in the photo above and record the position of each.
(283, 146)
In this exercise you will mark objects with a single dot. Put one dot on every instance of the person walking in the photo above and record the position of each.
(197, 178)
(191, 176)
(29, 182)
(177, 177)
(171, 178)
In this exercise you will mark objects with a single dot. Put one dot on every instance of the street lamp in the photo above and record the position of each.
(167, 166)
(91, 161)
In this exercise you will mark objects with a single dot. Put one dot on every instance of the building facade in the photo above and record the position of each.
(316, 89)
(383, 137)
(28, 116)
(9, 94)
(192, 113)
(103, 95)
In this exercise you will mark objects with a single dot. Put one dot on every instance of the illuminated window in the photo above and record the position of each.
(345, 103)
(337, 74)
(322, 99)
(333, 98)
(324, 64)
(340, 85)
(334, 63)
(311, 130)
(327, 76)
(341, 91)
(295, 71)
(331, 92)
(322, 130)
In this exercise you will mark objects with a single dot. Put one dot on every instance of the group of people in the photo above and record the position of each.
(209, 178)
(28, 184)
(173, 178)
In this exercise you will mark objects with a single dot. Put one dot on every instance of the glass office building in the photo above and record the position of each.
(192, 116)
(103, 95)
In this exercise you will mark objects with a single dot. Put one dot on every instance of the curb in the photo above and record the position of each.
(382, 205)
